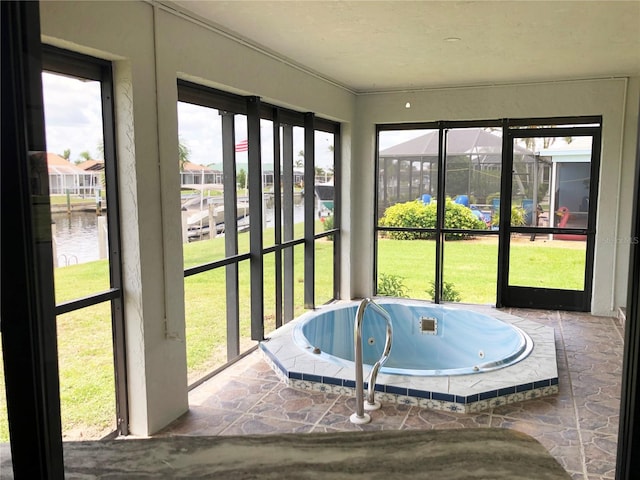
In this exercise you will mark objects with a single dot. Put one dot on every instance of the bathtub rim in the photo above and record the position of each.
(534, 377)
(301, 340)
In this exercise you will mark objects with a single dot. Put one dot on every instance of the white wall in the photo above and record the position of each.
(627, 178)
(156, 364)
(151, 48)
(615, 99)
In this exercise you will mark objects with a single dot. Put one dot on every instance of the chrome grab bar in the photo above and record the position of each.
(360, 416)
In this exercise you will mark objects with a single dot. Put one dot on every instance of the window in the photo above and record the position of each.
(77, 92)
(260, 240)
(441, 195)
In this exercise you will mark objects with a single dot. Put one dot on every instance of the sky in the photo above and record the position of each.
(73, 121)
(199, 128)
(73, 115)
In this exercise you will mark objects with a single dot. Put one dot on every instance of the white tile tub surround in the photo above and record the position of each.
(533, 377)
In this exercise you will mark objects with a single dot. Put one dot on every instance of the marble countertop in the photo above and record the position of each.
(468, 454)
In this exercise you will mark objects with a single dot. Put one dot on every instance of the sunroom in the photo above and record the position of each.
(326, 93)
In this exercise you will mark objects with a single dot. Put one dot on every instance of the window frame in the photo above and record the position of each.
(256, 110)
(521, 127)
(65, 62)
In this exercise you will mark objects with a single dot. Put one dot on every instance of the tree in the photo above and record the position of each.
(83, 156)
(67, 154)
(530, 143)
(329, 170)
(300, 160)
(458, 175)
(183, 154)
(242, 178)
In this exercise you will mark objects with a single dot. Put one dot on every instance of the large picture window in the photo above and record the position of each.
(260, 196)
(445, 205)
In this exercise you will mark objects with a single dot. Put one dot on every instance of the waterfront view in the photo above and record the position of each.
(75, 238)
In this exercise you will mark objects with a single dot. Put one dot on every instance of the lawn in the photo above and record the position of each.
(471, 265)
(84, 337)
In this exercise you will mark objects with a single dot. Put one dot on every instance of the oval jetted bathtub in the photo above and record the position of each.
(427, 339)
(454, 358)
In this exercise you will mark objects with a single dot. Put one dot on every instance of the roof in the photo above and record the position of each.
(92, 165)
(56, 165)
(562, 147)
(461, 141)
(194, 167)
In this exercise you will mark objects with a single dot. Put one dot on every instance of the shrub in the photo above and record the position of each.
(327, 222)
(459, 216)
(449, 292)
(517, 217)
(415, 214)
(391, 285)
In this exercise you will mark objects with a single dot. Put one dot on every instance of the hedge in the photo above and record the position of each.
(416, 214)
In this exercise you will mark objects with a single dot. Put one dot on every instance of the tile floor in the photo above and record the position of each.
(578, 426)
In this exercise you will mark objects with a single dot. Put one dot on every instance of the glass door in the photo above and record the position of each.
(548, 217)
(472, 183)
(408, 172)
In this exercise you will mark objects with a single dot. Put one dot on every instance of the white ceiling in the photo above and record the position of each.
(398, 45)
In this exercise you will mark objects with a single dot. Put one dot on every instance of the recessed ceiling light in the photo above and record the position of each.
(452, 39)
(407, 105)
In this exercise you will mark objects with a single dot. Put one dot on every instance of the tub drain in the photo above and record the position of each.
(371, 341)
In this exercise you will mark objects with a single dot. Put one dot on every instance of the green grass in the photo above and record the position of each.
(62, 199)
(84, 336)
(84, 353)
(205, 301)
(86, 372)
(471, 265)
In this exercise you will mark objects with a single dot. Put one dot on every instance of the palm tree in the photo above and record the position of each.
(83, 156)
(183, 154)
(530, 143)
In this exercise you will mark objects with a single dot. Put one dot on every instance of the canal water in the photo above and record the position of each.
(76, 235)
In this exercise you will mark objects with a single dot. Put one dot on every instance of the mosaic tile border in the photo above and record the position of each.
(533, 377)
(413, 397)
